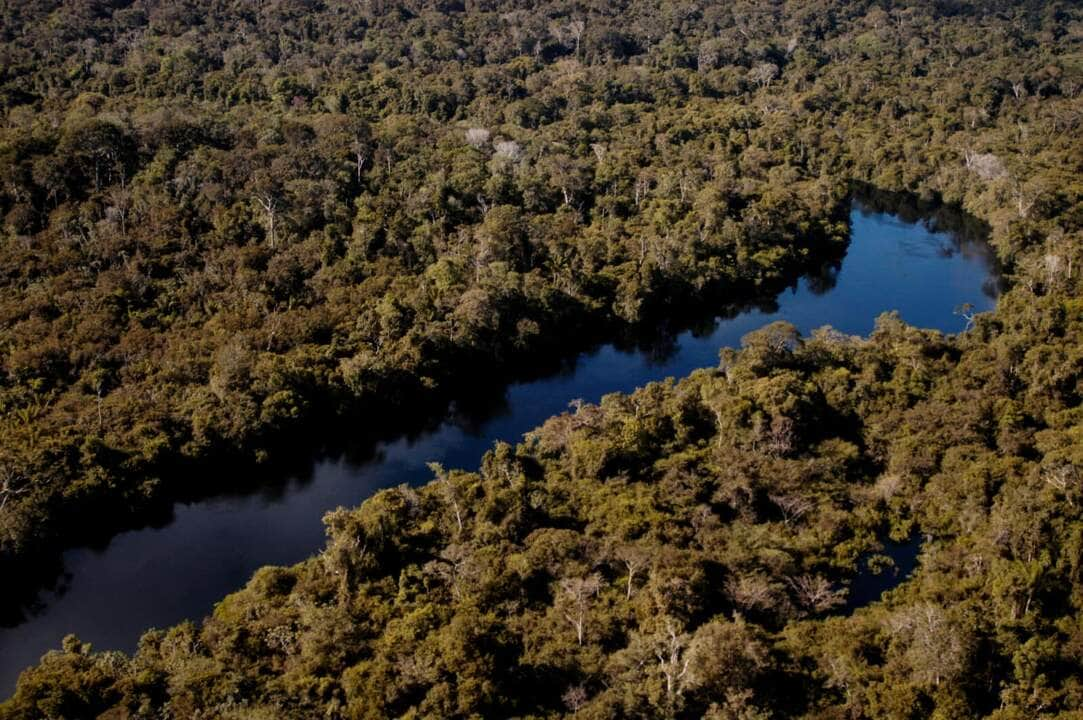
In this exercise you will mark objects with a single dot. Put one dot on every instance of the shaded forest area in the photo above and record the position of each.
(221, 221)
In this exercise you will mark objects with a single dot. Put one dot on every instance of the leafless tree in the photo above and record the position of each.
(361, 156)
(716, 397)
(816, 593)
(477, 137)
(281, 637)
(966, 312)
(454, 566)
(936, 650)
(887, 486)
(780, 435)
(1064, 477)
(634, 558)
(975, 116)
(763, 74)
(793, 507)
(1060, 255)
(575, 697)
(987, 166)
(708, 55)
(1025, 199)
(386, 157)
(269, 203)
(508, 150)
(752, 591)
(842, 674)
(120, 208)
(346, 552)
(578, 593)
(670, 646)
(1053, 264)
(642, 187)
(576, 28)
(98, 392)
(585, 414)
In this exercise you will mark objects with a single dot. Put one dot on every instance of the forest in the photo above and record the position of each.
(230, 225)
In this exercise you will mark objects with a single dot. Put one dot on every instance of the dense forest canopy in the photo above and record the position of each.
(223, 219)
(288, 218)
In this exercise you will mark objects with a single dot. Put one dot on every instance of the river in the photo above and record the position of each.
(158, 576)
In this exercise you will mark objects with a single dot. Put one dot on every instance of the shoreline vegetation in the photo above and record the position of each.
(157, 325)
(274, 458)
(217, 223)
(346, 434)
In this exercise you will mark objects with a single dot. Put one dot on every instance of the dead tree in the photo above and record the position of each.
(816, 593)
(793, 507)
(576, 28)
(577, 593)
(1065, 478)
(634, 558)
(966, 312)
(269, 203)
(672, 660)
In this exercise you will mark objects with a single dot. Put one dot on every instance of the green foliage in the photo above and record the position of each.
(220, 224)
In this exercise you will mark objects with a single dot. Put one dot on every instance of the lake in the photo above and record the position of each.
(155, 577)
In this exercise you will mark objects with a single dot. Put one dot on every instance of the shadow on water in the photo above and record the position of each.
(191, 553)
(477, 401)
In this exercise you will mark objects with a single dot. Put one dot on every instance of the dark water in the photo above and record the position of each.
(156, 577)
(868, 586)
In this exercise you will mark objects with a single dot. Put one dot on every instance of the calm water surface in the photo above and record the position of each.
(156, 577)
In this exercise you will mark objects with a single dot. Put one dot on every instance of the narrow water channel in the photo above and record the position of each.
(156, 577)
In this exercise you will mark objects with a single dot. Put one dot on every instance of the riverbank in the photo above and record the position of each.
(279, 524)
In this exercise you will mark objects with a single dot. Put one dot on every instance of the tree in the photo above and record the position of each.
(934, 648)
(267, 193)
(576, 595)
(816, 593)
(575, 698)
(100, 149)
(449, 492)
(987, 166)
(793, 507)
(565, 173)
(477, 137)
(726, 657)
(1064, 477)
(360, 146)
(634, 558)
(763, 74)
(966, 312)
(670, 646)
(575, 29)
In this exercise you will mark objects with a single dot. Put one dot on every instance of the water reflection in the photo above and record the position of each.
(199, 551)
